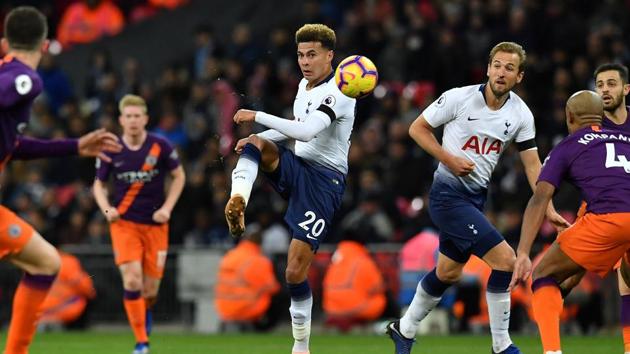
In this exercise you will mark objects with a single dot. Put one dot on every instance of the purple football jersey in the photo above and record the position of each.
(139, 177)
(19, 85)
(597, 162)
(625, 126)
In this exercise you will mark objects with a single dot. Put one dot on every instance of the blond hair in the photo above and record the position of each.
(132, 100)
(316, 32)
(510, 47)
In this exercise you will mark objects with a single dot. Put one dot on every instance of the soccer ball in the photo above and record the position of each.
(356, 76)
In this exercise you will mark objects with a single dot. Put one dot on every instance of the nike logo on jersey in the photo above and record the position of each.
(471, 119)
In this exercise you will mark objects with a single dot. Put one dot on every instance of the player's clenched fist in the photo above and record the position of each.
(161, 216)
(111, 214)
(460, 166)
(244, 115)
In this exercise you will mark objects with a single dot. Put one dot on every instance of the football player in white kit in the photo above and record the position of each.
(479, 122)
(312, 178)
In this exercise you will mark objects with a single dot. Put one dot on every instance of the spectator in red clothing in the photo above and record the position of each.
(89, 20)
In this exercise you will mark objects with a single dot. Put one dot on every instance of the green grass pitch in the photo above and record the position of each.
(114, 343)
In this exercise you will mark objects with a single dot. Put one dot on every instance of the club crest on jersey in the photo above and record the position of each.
(483, 146)
(150, 160)
(21, 127)
(23, 84)
(329, 100)
(507, 128)
(15, 231)
(308, 107)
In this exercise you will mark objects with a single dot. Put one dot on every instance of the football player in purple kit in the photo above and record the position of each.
(25, 32)
(595, 161)
(140, 214)
(611, 84)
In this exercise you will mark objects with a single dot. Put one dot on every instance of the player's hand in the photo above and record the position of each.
(522, 270)
(111, 214)
(244, 115)
(460, 166)
(241, 144)
(557, 220)
(161, 215)
(98, 142)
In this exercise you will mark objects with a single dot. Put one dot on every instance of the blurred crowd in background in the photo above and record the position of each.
(421, 49)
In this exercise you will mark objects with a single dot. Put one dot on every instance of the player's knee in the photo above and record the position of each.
(508, 262)
(256, 141)
(449, 276)
(49, 264)
(294, 275)
(132, 283)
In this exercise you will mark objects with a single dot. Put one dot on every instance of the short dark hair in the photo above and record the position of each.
(510, 47)
(25, 28)
(316, 32)
(620, 68)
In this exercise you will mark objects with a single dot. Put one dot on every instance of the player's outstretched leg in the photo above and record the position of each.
(428, 294)
(243, 178)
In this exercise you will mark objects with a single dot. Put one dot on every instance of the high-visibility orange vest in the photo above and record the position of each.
(246, 283)
(353, 286)
(70, 292)
(80, 24)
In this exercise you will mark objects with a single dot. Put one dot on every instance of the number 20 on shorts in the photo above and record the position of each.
(318, 225)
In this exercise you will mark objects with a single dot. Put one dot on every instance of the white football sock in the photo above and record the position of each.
(499, 313)
(243, 177)
(420, 307)
(301, 323)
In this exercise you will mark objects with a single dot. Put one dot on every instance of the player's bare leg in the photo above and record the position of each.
(501, 259)
(299, 260)
(570, 283)
(553, 269)
(40, 262)
(255, 152)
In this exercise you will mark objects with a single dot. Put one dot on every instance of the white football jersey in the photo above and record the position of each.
(330, 147)
(474, 131)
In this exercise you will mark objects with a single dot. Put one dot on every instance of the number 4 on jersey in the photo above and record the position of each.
(613, 160)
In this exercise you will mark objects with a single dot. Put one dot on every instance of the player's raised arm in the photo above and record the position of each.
(91, 144)
(422, 133)
(533, 218)
(295, 129)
